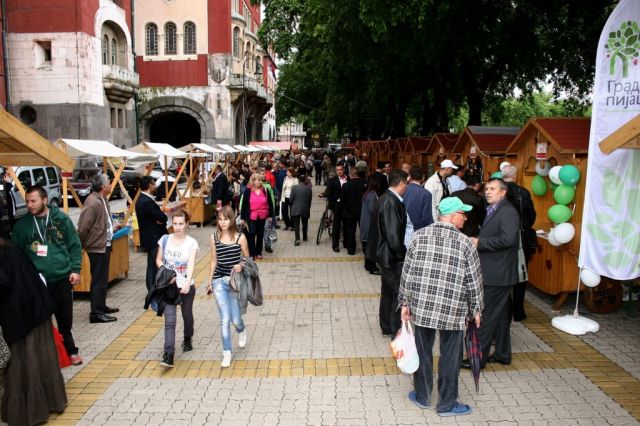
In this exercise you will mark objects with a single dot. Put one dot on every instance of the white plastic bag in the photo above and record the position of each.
(404, 350)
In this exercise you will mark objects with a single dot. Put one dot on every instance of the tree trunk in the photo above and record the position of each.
(475, 100)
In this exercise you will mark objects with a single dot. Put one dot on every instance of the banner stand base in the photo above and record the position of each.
(575, 324)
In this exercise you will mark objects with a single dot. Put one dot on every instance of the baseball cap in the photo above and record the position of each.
(448, 163)
(451, 205)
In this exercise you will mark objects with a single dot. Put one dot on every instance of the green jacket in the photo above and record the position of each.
(268, 188)
(64, 251)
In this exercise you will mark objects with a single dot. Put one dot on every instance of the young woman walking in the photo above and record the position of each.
(178, 252)
(228, 246)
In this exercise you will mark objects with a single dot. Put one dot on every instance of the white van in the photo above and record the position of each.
(46, 176)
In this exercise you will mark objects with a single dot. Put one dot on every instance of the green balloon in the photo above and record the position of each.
(539, 186)
(564, 194)
(559, 213)
(553, 186)
(569, 174)
(496, 175)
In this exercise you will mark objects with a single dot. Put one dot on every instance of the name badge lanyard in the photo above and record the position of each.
(42, 235)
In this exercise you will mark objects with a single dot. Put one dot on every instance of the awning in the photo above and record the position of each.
(77, 148)
(276, 146)
(163, 149)
(22, 146)
(242, 148)
(229, 149)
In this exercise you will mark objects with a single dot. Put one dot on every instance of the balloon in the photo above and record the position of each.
(496, 175)
(554, 186)
(552, 238)
(559, 213)
(564, 194)
(543, 170)
(538, 186)
(564, 233)
(589, 278)
(569, 174)
(553, 175)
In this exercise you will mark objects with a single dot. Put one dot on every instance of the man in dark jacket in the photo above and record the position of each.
(417, 201)
(386, 247)
(10, 200)
(471, 196)
(333, 191)
(220, 195)
(497, 246)
(152, 223)
(351, 196)
(521, 200)
(300, 200)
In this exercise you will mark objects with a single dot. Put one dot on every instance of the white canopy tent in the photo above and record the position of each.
(80, 148)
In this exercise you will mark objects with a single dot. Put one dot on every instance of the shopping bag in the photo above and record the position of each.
(63, 358)
(403, 349)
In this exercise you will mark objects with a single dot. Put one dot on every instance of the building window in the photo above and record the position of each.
(43, 53)
(258, 65)
(121, 119)
(170, 39)
(105, 50)
(114, 118)
(28, 115)
(236, 42)
(114, 52)
(189, 38)
(152, 39)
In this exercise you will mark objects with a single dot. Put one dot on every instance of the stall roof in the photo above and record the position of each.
(79, 148)
(568, 135)
(22, 146)
(488, 139)
(420, 143)
(202, 147)
(446, 140)
(277, 146)
(227, 148)
(163, 149)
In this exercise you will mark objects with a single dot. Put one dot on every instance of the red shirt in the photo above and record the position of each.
(270, 177)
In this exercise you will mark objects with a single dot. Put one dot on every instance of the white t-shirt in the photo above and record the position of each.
(176, 257)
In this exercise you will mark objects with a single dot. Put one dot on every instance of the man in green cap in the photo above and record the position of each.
(441, 284)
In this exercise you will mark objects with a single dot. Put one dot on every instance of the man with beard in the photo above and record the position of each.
(152, 223)
(50, 240)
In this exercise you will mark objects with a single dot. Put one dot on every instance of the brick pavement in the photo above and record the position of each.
(315, 356)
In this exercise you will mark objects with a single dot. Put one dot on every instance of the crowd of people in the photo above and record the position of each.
(448, 248)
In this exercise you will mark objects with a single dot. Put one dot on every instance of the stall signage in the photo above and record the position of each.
(473, 152)
(66, 174)
(541, 150)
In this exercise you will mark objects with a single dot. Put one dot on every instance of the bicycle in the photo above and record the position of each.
(326, 222)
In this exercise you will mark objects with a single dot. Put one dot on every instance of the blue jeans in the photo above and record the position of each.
(228, 309)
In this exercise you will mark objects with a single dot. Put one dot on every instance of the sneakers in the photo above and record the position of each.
(167, 360)
(226, 359)
(242, 338)
(75, 359)
(186, 344)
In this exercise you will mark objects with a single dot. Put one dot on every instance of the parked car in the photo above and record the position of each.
(81, 182)
(46, 176)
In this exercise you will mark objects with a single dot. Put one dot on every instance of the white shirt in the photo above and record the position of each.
(434, 186)
(455, 183)
(176, 257)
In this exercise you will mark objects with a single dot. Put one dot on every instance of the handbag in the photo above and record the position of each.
(403, 349)
(5, 353)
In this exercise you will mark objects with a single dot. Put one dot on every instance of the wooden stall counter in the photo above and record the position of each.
(554, 270)
(118, 262)
(199, 209)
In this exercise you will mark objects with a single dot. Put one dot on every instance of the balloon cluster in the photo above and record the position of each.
(563, 184)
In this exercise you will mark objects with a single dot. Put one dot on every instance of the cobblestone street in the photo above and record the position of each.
(315, 356)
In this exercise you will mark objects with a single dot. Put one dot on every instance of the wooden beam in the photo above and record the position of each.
(17, 182)
(627, 136)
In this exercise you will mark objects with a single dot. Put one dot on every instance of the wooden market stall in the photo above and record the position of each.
(111, 155)
(553, 270)
(441, 147)
(486, 145)
(418, 146)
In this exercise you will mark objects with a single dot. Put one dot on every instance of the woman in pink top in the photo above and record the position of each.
(255, 207)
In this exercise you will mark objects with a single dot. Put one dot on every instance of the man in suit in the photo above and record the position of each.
(300, 200)
(471, 196)
(417, 201)
(333, 191)
(386, 247)
(497, 245)
(152, 223)
(220, 189)
(351, 196)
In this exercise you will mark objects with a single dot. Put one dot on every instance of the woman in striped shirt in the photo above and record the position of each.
(228, 246)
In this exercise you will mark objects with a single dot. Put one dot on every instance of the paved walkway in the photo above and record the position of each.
(316, 356)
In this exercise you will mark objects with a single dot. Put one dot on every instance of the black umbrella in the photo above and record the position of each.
(474, 351)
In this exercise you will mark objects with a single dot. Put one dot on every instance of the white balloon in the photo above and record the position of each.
(544, 170)
(564, 232)
(554, 175)
(552, 239)
(589, 278)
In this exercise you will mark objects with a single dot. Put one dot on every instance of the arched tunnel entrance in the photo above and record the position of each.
(175, 128)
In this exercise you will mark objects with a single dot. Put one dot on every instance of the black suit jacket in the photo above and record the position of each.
(386, 231)
(333, 192)
(149, 214)
(498, 246)
(351, 198)
(476, 216)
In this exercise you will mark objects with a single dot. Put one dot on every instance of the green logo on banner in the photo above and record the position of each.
(623, 44)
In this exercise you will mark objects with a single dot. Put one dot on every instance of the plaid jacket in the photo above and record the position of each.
(441, 278)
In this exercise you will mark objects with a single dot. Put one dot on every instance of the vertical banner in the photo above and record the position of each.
(610, 241)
